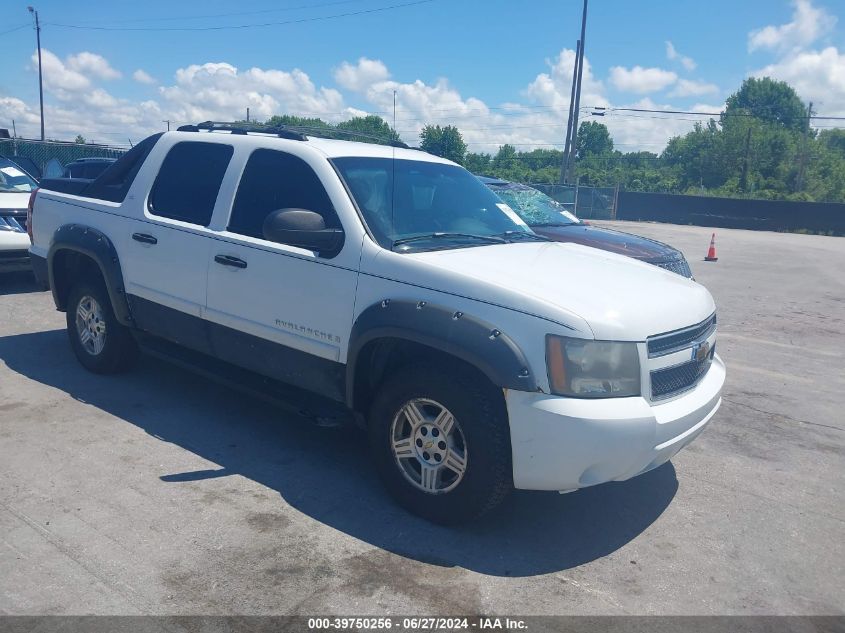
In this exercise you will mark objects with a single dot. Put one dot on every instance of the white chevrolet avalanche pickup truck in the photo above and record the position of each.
(478, 356)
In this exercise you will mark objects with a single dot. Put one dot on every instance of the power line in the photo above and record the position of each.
(221, 15)
(240, 26)
(16, 28)
(711, 114)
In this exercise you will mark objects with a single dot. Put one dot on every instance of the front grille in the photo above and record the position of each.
(673, 380)
(662, 344)
(14, 218)
(678, 266)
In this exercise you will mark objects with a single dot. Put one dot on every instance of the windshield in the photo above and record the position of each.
(535, 207)
(435, 205)
(13, 179)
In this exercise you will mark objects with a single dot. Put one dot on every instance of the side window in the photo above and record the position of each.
(113, 184)
(274, 180)
(188, 182)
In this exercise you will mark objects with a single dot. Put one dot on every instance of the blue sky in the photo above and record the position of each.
(498, 69)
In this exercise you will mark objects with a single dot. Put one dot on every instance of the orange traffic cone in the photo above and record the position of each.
(711, 252)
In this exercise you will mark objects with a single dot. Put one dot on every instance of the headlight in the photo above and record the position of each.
(592, 369)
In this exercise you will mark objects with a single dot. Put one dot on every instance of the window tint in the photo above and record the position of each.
(113, 184)
(188, 182)
(274, 180)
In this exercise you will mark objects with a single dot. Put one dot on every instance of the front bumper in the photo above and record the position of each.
(568, 443)
(14, 251)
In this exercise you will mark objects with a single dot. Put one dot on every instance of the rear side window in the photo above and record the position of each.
(274, 180)
(189, 180)
(113, 184)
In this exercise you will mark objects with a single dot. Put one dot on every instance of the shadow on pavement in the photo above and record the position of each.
(326, 474)
(18, 282)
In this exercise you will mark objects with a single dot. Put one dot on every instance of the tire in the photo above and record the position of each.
(408, 411)
(109, 348)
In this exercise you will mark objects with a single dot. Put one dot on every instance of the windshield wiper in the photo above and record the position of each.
(519, 235)
(492, 239)
(546, 224)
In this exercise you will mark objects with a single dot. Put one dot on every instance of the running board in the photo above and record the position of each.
(322, 411)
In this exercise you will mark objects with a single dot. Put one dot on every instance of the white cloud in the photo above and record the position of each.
(219, 91)
(808, 24)
(693, 88)
(554, 88)
(641, 80)
(143, 77)
(818, 76)
(92, 64)
(357, 77)
(672, 54)
(57, 76)
(77, 104)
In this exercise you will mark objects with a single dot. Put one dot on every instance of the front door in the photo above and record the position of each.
(277, 309)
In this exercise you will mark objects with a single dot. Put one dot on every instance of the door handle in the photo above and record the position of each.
(228, 260)
(144, 238)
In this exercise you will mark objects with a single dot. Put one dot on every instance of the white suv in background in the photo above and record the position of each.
(15, 188)
(478, 355)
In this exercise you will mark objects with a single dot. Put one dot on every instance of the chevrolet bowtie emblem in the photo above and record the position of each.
(701, 351)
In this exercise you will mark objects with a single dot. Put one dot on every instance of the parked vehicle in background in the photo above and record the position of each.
(15, 188)
(549, 218)
(25, 164)
(392, 286)
(88, 168)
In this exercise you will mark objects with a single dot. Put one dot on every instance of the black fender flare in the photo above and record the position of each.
(95, 245)
(467, 337)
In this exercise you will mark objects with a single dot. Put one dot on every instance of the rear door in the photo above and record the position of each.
(279, 309)
(165, 254)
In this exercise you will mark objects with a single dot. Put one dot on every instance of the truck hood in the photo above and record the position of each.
(647, 250)
(619, 298)
(14, 200)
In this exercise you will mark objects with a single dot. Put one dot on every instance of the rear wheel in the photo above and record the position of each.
(101, 343)
(441, 442)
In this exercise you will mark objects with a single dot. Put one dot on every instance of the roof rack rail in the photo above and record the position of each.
(242, 128)
(332, 132)
(294, 132)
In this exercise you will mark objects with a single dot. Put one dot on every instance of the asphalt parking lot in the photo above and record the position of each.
(159, 492)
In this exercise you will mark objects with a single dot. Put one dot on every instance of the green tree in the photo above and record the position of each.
(767, 100)
(479, 164)
(80, 139)
(372, 125)
(833, 140)
(446, 142)
(593, 139)
(296, 121)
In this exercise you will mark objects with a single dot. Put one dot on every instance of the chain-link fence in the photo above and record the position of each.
(586, 202)
(46, 157)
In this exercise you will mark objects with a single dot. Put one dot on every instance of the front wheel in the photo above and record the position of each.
(441, 442)
(101, 343)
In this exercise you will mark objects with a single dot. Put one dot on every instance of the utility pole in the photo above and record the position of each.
(40, 81)
(571, 160)
(168, 123)
(743, 181)
(799, 180)
(565, 160)
(247, 114)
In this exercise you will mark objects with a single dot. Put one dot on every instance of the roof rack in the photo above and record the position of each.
(294, 132)
(243, 128)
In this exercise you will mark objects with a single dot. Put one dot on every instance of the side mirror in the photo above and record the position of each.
(302, 228)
